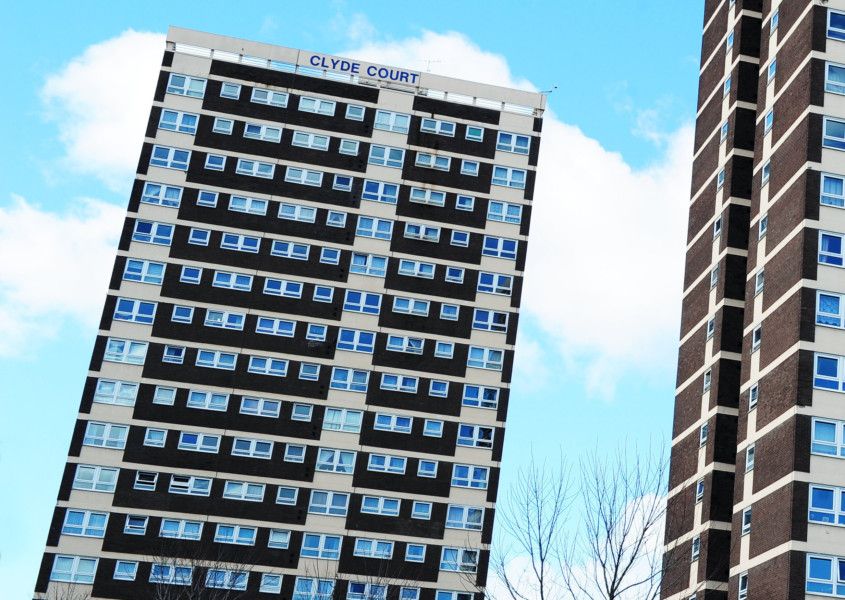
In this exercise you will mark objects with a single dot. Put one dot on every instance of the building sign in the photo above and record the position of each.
(356, 68)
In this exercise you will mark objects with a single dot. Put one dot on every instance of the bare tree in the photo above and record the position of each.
(58, 590)
(597, 537)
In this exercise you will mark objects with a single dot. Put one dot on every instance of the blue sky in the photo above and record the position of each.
(596, 365)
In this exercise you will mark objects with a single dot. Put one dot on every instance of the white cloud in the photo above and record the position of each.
(100, 102)
(60, 268)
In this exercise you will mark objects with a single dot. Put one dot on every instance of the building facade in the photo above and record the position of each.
(300, 382)
(757, 483)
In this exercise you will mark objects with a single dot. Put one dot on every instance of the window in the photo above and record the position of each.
(150, 232)
(366, 591)
(830, 249)
(386, 463)
(772, 70)
(180, 529)
(330, 256)
(271, 98)
(730, 41)
(262, 365)
(224, 126)
(835, 79)
(470, 476)
(94, 478)
(373, 548)
(363, 302)
(504, 212)
(170, 574)
(368, 264)
(746, 521)
(824, 575)
(182, 314)
(386, 156)
(351, 380)
(245, 204)
(199, 237)
(749, 457)
(240, 243)
(335, 218)
(410, 306)
(146, 481)
(447, 595)
(109, 391)
(309, 371)
(181, 122)
(459, 559)
(475, 436)
(399, 383)
(829, 309)
(495, 283)
(480, 396)
(143, 271)
(485, 358)
(513, 142)
(708, 378)
(703, 432)
(125, 570)
(105, 435)
(773, 24)
(768, 121)
(234, 281)
(260, 407)
(270, 583)
(280, 327)
(404, 343)
(834, 134)
(252, 448)
(310, 588)
(313, 141)
(85, 523)
(419, 231)
(438, 388)
(320, 545)
(230, 90)
(217, 359)
(421, 510)
(695, 548)
(135, 525)
(832, 192)
(335, 461)
(199, 442)
(356, 340)
(173, 354)
(225, 579)
(162, 195)
(444, 349)
(756, 338)
(699, 490)
(826, 505)
(380, 505)
(380, 191)
(763, 226)
(301, 412)
(279, 538)
(828, 372)
(164, 395)
(264, 133)
(242, 490)
(759, 281)
(224, 319)
(155, 438)
(254, 168)
(714, 277)
(316, 105)
(235, 534)
(392, 121)
(509, 177)
(170, 158)
(726, 87)
(446, 128)
(328, 503)
(766, 172)
(207, 400)
(316, 332)
(394, 423)
(294, 453)
(449, 312)
(431, 161)
(723, 132)
(190, 275)
(720, 179)
(207, 198)
(464, 517)
(490, 320)
(125, 351)
(349, 147)
(474, 134)
(342, 183)
(426, 196)
(416, 268)
(753, 396)
(460, 238)
(427, 468)
(355, 112)
(373, 227)
(73, 569)
(185, 85)
(287, 496)
(835, 25)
